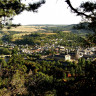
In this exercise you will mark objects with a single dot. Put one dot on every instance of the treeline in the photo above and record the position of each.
(5, 51)
(31, 39)
(57, 28)
(74, 28)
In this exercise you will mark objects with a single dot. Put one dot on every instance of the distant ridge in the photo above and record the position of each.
(46, 24)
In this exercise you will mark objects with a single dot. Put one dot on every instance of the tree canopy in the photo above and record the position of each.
(10, 8)
(88, 11)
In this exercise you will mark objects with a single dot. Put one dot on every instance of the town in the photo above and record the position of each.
(56, 52)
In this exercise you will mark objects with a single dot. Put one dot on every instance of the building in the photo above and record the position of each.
(67, 57)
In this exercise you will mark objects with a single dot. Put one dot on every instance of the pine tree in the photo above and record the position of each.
(87, 10)
(10, 8)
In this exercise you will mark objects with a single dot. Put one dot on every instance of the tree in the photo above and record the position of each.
(15, 50)
(7, 38)
(39, 84)
(10, 8)
(2, 63)
(5, 51)
(72, 71)
(85, 85)
(88, 11)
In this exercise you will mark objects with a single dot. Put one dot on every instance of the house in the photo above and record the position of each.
(79, 55)
(62, 49)
(57, 50)
(86, 53)
(27, 51)
(69, 75)
(67, 57)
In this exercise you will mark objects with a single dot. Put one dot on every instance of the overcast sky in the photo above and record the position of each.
(52, 12)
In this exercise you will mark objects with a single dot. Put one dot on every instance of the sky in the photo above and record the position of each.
(52, 12)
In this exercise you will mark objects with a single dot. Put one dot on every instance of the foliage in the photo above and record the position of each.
(88, 11)
(46, 77)
(5, 51)
(7, 38)
(10, 8)
(64, 39)
(3, 63)
(1, 42)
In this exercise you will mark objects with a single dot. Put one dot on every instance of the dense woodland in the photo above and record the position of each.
(32, 77)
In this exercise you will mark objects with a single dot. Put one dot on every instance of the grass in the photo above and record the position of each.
(20, 31)
(66, 31)
(48, 33)
(23, 29)
(19, 36)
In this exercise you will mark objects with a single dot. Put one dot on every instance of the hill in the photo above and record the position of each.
(18, 32)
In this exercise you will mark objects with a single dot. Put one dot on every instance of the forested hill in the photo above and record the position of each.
(57, 28)
(48, 31)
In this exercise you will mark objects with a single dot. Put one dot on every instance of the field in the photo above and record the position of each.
(66, 31)
(24, 29)
(48, 33)
(20, 31)
(19, 36)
